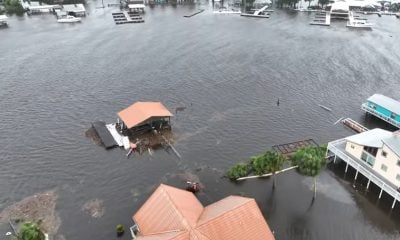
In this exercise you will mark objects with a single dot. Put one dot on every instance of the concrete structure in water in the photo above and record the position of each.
(384, 108)
(375, 154)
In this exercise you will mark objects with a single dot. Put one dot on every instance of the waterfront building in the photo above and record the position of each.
(77, 10)
(384, 108)
(172, 213)
(144, 116)
(375, 154)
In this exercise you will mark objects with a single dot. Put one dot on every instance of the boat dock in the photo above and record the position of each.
(354, 125)
(194, 14)
(290, 148)
(337, 149)
(106, 138)
(258, 13)
(127, 17)
(252, 15)
(322, 19)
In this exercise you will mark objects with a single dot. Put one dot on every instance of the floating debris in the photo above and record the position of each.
(38, 208)
(94, 208)
(324, 107)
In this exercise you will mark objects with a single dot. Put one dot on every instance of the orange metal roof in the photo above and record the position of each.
(175, 214)
(141, 111)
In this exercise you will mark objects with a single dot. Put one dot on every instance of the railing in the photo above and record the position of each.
(365, 107)
(363, 170)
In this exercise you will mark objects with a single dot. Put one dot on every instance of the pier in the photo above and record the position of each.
(127, 17)
(322, 19)
(290, 148)
(194, 14)
(354, 125)
(337, 149)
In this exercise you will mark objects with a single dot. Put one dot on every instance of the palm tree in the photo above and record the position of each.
(269, 162)
(30, 231)
(310, 161)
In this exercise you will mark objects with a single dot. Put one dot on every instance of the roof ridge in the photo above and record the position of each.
(176, 207)
(223, 213)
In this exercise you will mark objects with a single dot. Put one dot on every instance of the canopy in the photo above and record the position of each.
(139, 112)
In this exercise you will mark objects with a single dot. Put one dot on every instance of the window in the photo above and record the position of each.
(371, 150)
(352, 146)
(398, 177)
(393, 115)
(398, 162)
(384, 167)
(373, 106)
(384, 153)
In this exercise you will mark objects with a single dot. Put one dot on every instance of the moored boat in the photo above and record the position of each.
(69, 19)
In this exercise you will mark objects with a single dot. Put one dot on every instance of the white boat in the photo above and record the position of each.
(3, 20)
(357, 23)
(69, 19)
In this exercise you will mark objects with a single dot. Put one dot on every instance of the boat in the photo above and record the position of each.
(3, 20)
(358, 23)
(69, 19)
(361, 24)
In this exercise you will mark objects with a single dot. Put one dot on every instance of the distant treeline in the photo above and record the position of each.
(13, 7)
(52, 2)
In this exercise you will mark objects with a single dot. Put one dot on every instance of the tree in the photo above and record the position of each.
(237, 171)
(13, 6)
(309, 2)
(269, 162)
(30, 231)
(310, 161)
(323, 2)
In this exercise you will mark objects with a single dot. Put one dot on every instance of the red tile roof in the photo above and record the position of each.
(176, 214)
(139, 112)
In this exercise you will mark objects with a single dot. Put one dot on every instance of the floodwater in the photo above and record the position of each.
(229, 72)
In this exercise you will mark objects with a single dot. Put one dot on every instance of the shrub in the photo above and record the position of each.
(237, 171)
(120, 229)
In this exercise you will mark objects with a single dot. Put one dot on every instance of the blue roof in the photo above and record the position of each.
(386, 102)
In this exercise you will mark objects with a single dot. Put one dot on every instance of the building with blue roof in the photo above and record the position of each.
(384, 108)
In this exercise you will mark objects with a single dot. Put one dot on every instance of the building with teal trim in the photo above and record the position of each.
(384, 108)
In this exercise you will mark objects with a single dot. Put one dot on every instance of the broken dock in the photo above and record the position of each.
(290, 148)
(127, 17)
(354, 125)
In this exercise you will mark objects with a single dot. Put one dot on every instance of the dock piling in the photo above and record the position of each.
(347, 166)
(394, 202)
(380, 194)
(369, 181)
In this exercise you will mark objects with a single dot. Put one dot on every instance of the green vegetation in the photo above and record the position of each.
(237, 171)
(13, 7)
(30, 231)
(269, 162)
(120, 229)
(323, 2)
(310, 161)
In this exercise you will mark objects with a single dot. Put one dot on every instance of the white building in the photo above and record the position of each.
(380, 149)
(376, 155)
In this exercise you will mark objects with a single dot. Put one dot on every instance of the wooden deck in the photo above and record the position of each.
(290, 148)
(354, 125)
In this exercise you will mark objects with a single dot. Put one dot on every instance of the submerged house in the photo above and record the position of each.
(175, 214)
(144, 116)
(376, 155)
(384, 108)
